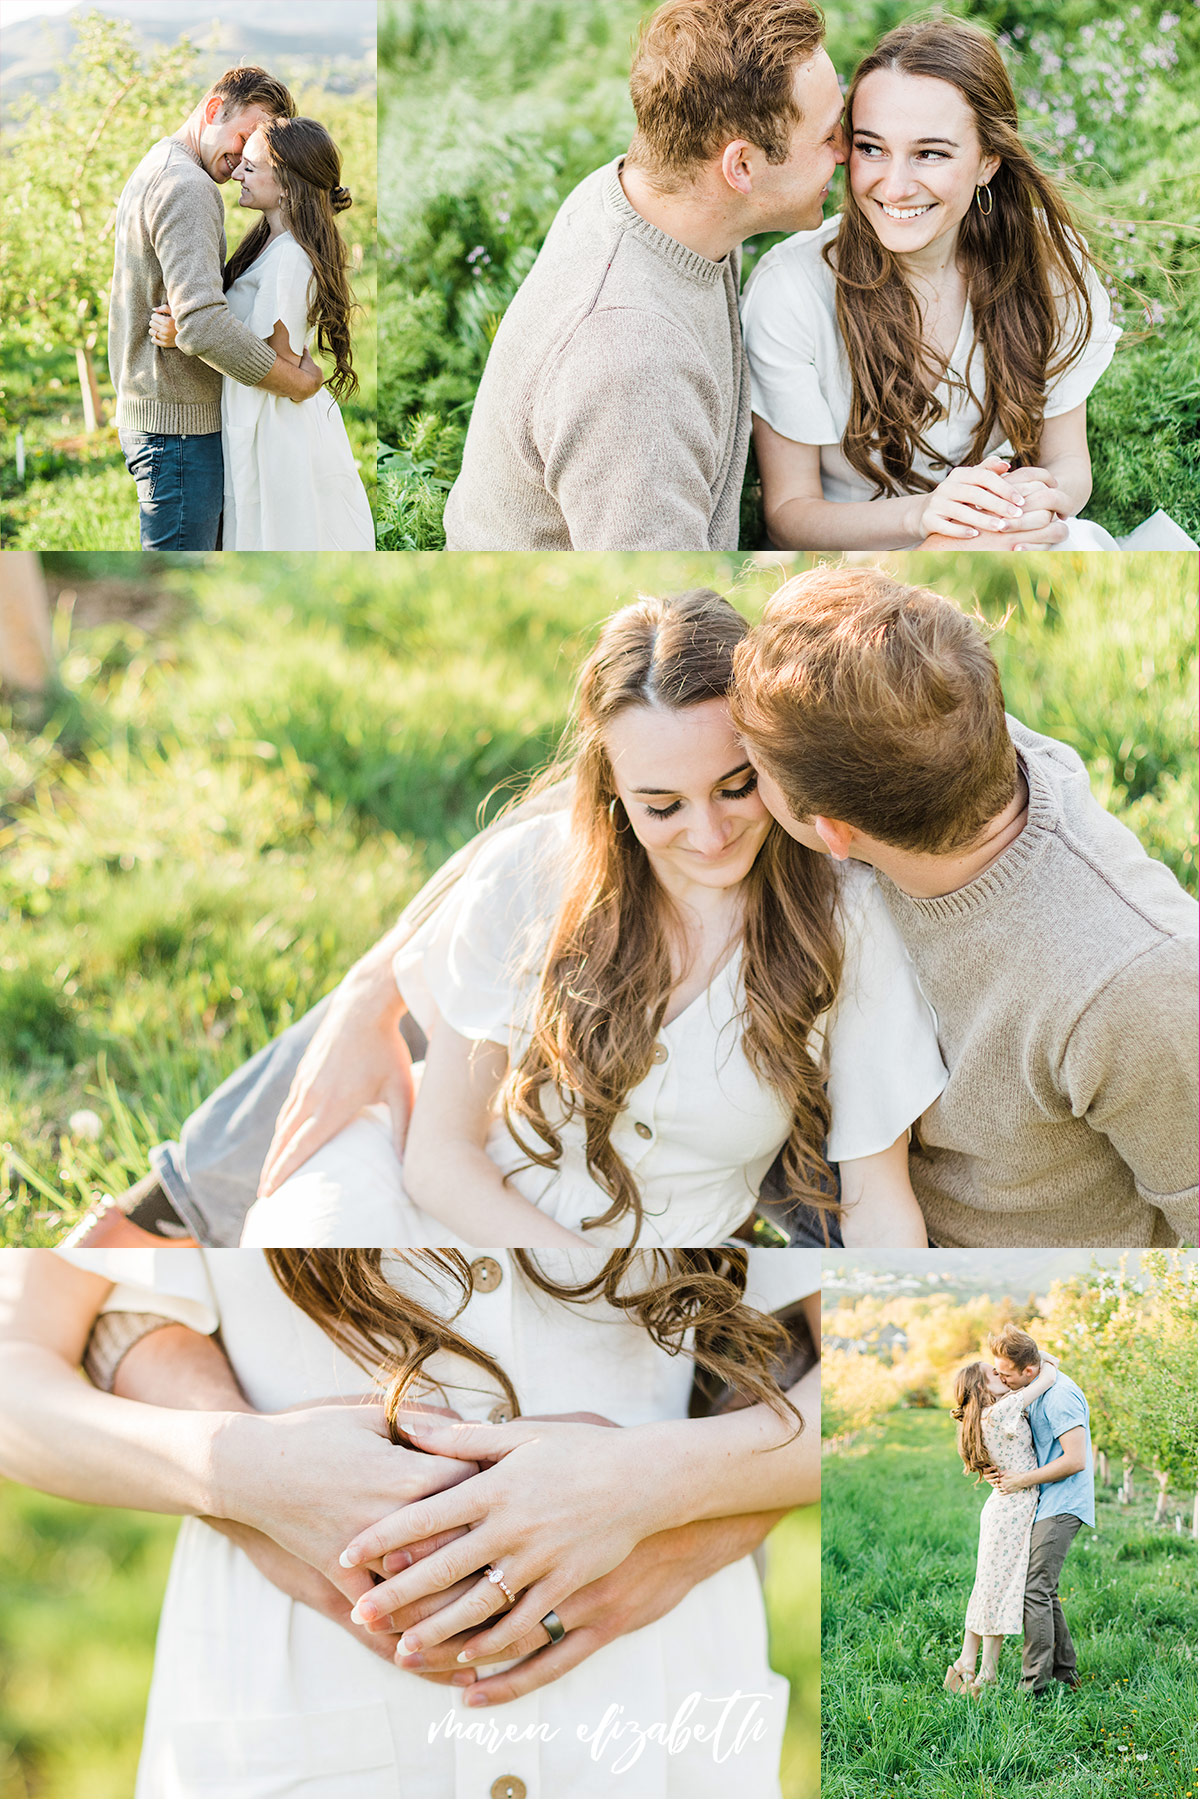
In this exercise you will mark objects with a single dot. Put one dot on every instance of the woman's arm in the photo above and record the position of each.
(878, 1203)
(1041, 1384)
(966, 505)
(561, 1505)
(447, 1170)
(302, 1477)
(1062, 482)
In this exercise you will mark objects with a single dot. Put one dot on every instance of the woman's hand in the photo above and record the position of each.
(301, 1476)
(559, 1506)
(357, 1057)
(972, 500)
(656, 1575)
(162, 327)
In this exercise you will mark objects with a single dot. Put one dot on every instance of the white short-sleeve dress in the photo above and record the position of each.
(800, 380)
(290, 478)
(254, 1694)
(698, 1133)
(997, 1604)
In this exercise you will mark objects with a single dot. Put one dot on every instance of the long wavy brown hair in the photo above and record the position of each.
(608, 973)
(392, 1336)
(1020, 261)
(308, 167)
(972, 1397)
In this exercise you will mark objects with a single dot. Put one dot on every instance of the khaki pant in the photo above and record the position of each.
(1049, 1654)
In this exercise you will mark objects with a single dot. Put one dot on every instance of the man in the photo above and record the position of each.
(1059, 1420)
(614, 411)
(170, 247)
(1058, 958)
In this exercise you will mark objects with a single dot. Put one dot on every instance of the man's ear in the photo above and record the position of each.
(212, 107)
(735, 166)
(836, 836)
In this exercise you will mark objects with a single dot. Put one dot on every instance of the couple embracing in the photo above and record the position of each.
(916, 369)
(1023, 1425)
(227, 425)
(800, 924)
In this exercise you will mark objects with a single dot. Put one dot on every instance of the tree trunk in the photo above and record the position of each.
(1196, 1515)
(1125, 1491)
(1160, 1506)
(25, 654)
(1102, 1466)
(89, 391)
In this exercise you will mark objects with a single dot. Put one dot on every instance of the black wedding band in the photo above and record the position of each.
(555, 1627)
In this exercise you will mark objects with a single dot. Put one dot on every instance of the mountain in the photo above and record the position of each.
(298, 39)
(961, 1273)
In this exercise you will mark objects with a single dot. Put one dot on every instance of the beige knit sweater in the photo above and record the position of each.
(1064, 983)
(170, 245)
(614, 411)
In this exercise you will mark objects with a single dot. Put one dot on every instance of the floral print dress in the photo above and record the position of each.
(997, 1604)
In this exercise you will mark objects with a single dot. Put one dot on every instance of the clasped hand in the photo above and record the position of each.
(993, 497)
(556, 1506)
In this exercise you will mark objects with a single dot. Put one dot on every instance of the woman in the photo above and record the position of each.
(290, 478)
(921, 364)
(994, 1433)
(634, 1005)
(253, 1694)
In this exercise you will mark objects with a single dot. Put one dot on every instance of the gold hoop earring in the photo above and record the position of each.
(612, 813)
(991, 200)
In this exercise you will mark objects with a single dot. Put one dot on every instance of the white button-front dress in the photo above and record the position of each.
(997, 1604)
(291, 482)
(800, 381)
(698, 1133)
(254, 1694)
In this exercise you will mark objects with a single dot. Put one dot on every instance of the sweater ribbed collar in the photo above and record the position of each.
(688, 262)
(999, 878)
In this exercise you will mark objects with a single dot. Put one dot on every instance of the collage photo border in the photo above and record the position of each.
(500, 618)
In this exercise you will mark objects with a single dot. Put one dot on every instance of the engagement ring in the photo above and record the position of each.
(497, 1576)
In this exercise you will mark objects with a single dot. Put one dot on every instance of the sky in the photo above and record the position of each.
(13, 11)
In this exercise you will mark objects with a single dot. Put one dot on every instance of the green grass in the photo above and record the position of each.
(899, 1536)
(793, 1593)
(214, 820)
(490, 116)
(80, 1592)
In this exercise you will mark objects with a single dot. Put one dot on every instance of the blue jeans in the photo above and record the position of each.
(180, 486)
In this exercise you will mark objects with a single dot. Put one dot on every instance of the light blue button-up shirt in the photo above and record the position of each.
(1057, 1411)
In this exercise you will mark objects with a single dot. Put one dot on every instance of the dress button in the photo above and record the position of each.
(660, 1053)
(486, 1274)
(642, 1130)
(508, 1787)
(500, 1415)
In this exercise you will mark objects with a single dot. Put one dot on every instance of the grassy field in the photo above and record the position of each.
(490, 116)
(80, 1591)
(899, 1534)
(254, 762)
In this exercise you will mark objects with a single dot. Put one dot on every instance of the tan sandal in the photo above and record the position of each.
(978, 1684)
(957, 1680)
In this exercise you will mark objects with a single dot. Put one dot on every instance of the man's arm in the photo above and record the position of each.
(187, 241)
(1130, 1069)
(627, 426)
(1074, 1447)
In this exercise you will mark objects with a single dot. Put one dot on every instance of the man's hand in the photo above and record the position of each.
(162, 328)
(356, 1058)
(652, 1580)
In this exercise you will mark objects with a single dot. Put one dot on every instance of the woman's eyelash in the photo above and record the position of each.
(665, 812)
(865, 149)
